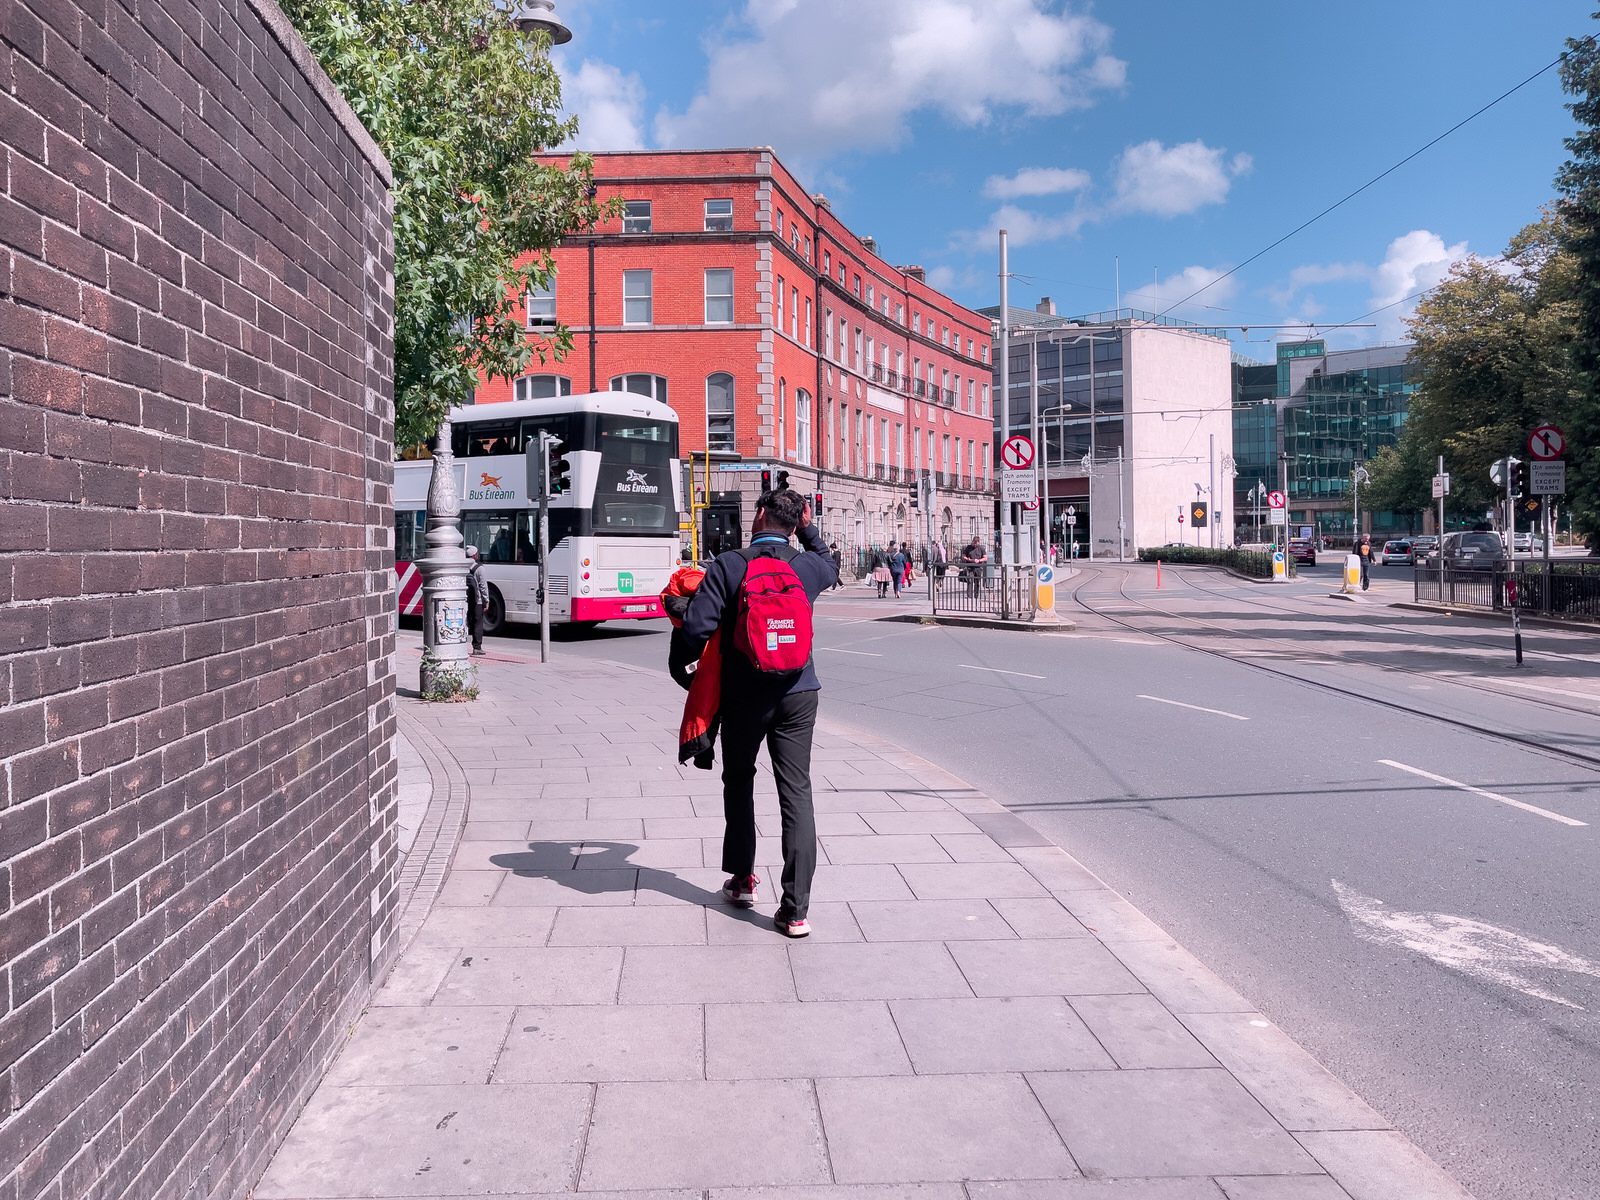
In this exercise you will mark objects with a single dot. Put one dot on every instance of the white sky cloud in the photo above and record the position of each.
(609, 105)
(1035, 181)
(1169, 181)
(967, 60)
(1023, 228)
(1414, 261)
(1171, 289)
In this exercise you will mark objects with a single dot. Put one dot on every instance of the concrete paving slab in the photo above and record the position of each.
(600, 1043)
(428, 1141)
(860, 1191)
(939, 1127)
(829, 824)
(972, 847)
(1039, 918)
(634, 925)
(515, 856)
(1281, 1187)
(899, 848)
(862, 882)
(1110, 917)
(955, 881)
(1180, 980)
(702, 974)
(703, 1134)
(647, 807)
(729, 926)
(495, 831)
(468, 888)
(416, 977)
(1381, 1165)
(683, 827)
(929, 920)
(942, 820)
(565, 889)
(543, 829)
(1288, 1082)
(1036, 1033)
(1059, 967)
(1007, 828)
(1098, 1189)
(1056, 869)
(1140, 1033)
(813, 1040)
(569, 975)
(699, 886)
(485, 926)
(663, 854)
(421, 1045)
(876, 971)
(1122, 1124)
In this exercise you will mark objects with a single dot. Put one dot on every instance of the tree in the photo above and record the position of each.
(1494, 344)
(1579, 184)
(1401, 480)
(460, 101)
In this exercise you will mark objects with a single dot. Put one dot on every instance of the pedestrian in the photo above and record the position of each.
(911, 564)
(758, 702)
(940, 558)
(477, 600)
(897, 568)
(880, 571)
(838, 562)
(973, 559)
(1365, 551)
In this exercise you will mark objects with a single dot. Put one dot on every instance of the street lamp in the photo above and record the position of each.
(1061, 454)
(536, 16)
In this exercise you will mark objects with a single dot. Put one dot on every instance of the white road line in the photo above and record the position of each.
(841, 650)
(1197, 708)
(1486, 794)
(1534, 687)
(998, 671)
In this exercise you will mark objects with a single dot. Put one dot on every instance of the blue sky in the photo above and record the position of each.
(1178, 137)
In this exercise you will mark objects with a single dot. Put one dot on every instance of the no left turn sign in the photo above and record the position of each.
(1546, 443)
(1016, 452)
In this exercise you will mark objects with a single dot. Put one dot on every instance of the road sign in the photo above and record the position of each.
(1047, 573)
(1072, 518)
(1031, 505)
(1018, 487)
(1016, 453)
(1278, 516)
(1277, 500)
(1072, 510)
(1199, 511)
(1547, 478)
(1546, 442)
(1441, 486)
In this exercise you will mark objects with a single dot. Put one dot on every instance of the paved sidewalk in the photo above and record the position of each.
(975, 1018)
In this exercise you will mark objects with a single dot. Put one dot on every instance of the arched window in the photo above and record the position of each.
(802, 425)
(543, 387)
(719, 412)
(654, 386)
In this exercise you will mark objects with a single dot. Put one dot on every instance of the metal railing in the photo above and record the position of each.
(1568, 589)
(986, 590)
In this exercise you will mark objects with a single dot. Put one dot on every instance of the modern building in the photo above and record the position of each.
(784, 340)
(1327, 413)
(1133, 443)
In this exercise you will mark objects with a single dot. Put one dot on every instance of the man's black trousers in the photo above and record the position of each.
(786, 725)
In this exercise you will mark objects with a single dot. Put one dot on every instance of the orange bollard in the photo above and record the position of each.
(1158, 572)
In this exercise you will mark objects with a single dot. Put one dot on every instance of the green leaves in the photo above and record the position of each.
(460, 102)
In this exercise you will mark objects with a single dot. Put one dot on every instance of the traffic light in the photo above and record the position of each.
(816, 505)
(558, 470)
(766, 480)
(916, 494)
(1514, 476)
(783, 480)
(1199, 512)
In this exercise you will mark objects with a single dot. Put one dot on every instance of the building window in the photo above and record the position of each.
(844, 340)
(857, 358)
(636, 297)
(653, 386)
(855, 285)
(808, 249)
(636, 216)
(916, 324)
(777, 320)
(780, 225)
(969, 347)
(899, 314)
(783, 408)
(972, 391)
(841, 274)
(542, 305)
(542, 387)
(719, 296)
(719, 216)
(827, 262)
(805, 332)
(802, 425)
(872, 298)
(827, 332)
(794, 313)
(719, 411)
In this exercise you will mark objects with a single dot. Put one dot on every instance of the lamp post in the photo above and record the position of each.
(1061, 454)
(539, 16)
(445, 664)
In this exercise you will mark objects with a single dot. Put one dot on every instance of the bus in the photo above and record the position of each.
(614, 537)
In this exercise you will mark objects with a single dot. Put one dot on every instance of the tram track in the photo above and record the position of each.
(1558, 753)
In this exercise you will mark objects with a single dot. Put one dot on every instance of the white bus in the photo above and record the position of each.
(613, 533)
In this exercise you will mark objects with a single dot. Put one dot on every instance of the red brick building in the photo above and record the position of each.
(780, 337)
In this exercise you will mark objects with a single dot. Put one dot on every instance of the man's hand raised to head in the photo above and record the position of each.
(805, 516)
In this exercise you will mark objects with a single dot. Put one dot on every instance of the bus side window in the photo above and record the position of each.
(409, 544)
(527, 538)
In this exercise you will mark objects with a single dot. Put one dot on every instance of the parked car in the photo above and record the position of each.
(1397, 550)
(1477, 550)
(1423, 547)
(1526, 543)
(1303, 550)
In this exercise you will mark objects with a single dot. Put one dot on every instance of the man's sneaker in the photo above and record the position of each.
(795, 927)
(741, 890)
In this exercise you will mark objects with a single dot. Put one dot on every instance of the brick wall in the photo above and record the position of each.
(197, 847)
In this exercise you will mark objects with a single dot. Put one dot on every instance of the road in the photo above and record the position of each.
(1366, 819)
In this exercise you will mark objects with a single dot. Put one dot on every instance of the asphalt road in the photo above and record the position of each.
(1365, 819)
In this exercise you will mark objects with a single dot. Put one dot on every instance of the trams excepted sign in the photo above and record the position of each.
(1017, 484)
(1547, 478)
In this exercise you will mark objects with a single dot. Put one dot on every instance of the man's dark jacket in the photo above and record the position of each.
(716, 600)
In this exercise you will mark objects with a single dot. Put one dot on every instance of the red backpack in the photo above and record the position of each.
(772, 626)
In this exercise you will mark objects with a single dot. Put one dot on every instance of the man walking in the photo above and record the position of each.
(1364, 550)
(760, 706)
(973, 560)
(477, 600)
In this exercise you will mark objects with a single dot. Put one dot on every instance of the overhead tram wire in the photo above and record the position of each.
(1381, 175)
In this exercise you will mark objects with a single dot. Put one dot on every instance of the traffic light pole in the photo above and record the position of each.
(545, 439)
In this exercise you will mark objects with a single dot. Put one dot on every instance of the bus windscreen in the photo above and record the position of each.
(633, 492)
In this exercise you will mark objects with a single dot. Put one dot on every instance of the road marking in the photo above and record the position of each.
(1462, 944)
(1535, 687)
(1485, 793)
(998, 671)
(1216, 712)
(841, 650)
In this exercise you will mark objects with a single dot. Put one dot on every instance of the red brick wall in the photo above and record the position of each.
(197, 847)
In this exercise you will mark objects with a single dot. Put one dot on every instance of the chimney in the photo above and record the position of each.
(822, 201)
(1046, 306)
(914, 272)
(871, 243)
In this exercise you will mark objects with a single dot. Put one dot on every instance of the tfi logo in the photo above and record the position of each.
(625, 580)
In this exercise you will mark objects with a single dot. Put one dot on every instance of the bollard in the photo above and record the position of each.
(446, 668)
(1352, 574)
(1158, 572)
(1516, 619)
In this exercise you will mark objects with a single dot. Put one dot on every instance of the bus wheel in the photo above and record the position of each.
(493, 619)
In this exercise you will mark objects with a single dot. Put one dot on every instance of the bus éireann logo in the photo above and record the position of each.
(489, 480)
(635, 481)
